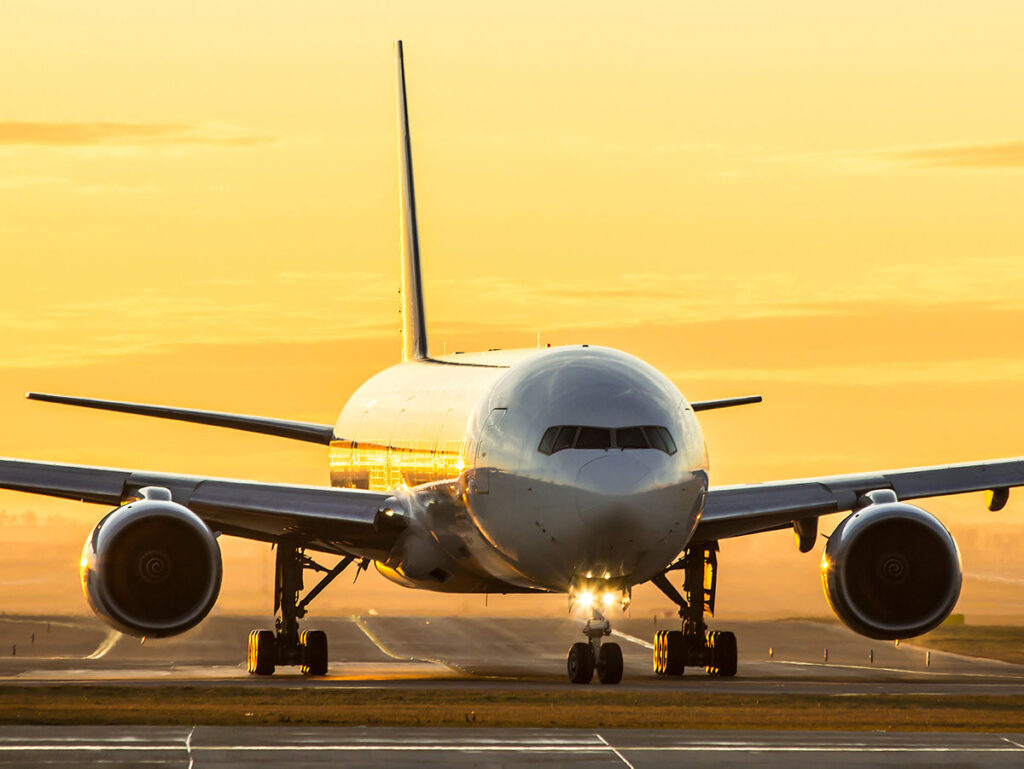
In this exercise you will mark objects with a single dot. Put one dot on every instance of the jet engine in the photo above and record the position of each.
(152, 567)
(891, 570)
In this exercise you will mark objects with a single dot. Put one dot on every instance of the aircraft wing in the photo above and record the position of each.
(282, 428)
(734, 511)
(320, 517)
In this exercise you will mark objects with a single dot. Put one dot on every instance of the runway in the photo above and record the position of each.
(782, 657)
(636, 749)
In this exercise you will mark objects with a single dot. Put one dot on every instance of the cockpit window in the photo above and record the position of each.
(670, 445)
(562, 437)
(594, 438)
(655, 438)
(548, 441)
(566, 437)
(630, 438)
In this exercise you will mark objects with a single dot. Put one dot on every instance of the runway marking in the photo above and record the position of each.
(1007, 739)
(379, 643)
(633, 639)
(616, 752)
(375, 639)
(105, 646)
(947, 673)
(188, 746)
(739, 747)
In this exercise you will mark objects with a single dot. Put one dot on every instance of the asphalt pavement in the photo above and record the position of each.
(65, 747)
(800, 657)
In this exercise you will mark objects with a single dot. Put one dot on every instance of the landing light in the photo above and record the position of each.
(609, 599)
(586, 599)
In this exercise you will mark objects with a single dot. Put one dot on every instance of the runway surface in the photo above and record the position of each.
(423, 652)
(638, 749)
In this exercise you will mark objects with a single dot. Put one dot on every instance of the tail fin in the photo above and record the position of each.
(414, 324)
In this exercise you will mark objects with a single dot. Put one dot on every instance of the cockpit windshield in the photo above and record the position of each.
(562, 437)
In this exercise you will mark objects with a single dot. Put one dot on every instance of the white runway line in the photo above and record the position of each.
(616, 752)
(633, 639)
(739, 747)
(105, 646)
(188, 747)
(876, 668)
(359, 623)
(375, 639)
(1017, 744)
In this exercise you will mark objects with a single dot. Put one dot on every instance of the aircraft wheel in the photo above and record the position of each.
(675, 653)
(669, 653)
(262, 651)
(314, 652)
(609, 663)
(724, 654)
(580, 663)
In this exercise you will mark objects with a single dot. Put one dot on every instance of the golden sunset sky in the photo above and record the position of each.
(823, 204)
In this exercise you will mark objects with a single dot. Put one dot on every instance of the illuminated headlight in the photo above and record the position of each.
(609, 598)
(586, 599)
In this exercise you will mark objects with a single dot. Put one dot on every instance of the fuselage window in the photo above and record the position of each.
(594, 438)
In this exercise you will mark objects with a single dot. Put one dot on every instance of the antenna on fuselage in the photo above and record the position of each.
(414, 323)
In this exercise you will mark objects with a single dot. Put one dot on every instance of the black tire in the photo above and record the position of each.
(609, 663)
(675, 653)
(724, 654)
(314, 652)
(262, 652)
(580, 663)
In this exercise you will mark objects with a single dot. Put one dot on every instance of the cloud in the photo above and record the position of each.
(83, 134)
(998, 155)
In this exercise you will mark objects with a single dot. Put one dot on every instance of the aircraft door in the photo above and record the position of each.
(481, 461)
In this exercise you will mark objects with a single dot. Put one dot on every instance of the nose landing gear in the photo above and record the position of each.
(592, 655)
(287, 646)
(694, 645)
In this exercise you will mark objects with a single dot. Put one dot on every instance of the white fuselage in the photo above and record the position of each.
(496, 500)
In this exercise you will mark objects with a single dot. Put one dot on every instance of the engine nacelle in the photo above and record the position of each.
(151, 568)
(891, 570)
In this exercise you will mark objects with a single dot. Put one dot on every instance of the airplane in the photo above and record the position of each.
(579, 470)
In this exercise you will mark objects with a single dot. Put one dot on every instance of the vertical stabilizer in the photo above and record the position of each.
(414, 324)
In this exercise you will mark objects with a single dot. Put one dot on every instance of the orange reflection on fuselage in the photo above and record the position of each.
(381, 467)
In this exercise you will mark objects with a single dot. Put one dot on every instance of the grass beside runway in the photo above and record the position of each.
(997, 642)
(584, 708)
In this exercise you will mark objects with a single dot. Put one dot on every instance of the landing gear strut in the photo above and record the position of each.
(587, 656)
(694, 646)
(286, 645)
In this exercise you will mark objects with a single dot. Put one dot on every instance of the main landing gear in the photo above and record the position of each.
(694, 646)
(591, 655)
(287, 646)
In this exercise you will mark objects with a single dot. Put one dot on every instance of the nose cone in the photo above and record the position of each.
(611, 487)
(613, 500)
